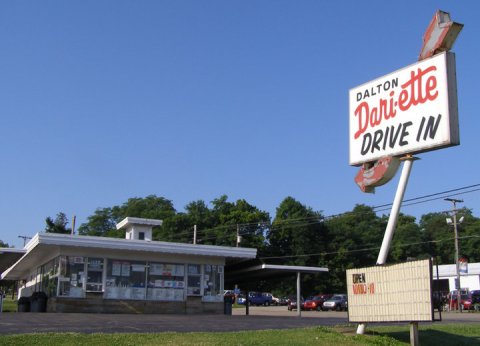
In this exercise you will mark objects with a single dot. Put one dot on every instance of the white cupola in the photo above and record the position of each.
(138, 228)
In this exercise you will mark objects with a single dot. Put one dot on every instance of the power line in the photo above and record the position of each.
(367, 249)
(318, 219)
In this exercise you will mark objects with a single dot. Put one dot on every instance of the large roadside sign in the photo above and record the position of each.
(392, 293)
(409, 111)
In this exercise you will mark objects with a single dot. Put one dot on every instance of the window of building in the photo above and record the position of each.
(166, 281)
(72, 276)
(125, 279)
(141, 235)
(94, 275)
(49, 277)
(194, 280)
(212, 282)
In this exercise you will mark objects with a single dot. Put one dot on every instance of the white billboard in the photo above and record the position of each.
(394, 293)
(408, 111)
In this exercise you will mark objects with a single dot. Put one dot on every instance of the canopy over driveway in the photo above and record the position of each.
(8, 256)
(247, 274)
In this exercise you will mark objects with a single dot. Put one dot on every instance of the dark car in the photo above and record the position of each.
(292, 303)
(338, 302)
(316, 302)
(475, 296)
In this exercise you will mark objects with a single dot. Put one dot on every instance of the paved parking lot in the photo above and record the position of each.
(259, 318)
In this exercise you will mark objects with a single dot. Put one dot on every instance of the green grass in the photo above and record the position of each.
(435, 334)
(443, 335)
(9, 305)
(308, 336)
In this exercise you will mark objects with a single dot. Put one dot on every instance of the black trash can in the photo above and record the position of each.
(38, 302)
(23, 304)
(227, 305)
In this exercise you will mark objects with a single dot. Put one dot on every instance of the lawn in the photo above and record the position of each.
(9, 305)
(444, 335)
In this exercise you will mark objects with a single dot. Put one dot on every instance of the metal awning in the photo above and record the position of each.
(247, 274)
(8, 256)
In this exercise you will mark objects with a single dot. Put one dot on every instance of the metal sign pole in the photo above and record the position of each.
(397, 203)
(392, 220)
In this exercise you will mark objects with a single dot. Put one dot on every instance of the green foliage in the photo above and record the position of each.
(297, 235)
(408, 241)
(2, 244)
(354, 241)
(59, 225)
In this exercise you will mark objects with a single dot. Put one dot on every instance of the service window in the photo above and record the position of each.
(194, 280)
(213, 282)
(166, 281)
(94, 274)
(125, 279)
(72, 276)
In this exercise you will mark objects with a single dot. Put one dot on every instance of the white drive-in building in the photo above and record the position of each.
(134, 275)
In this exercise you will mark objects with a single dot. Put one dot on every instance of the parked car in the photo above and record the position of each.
(465, 300)
(316, 302)
(292, 303)
(338, 302)
(475, 296)
(257, 298)
(241, 299)
(275, 300)
(283, 301)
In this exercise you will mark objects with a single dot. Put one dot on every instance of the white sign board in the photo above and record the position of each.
(409, 111)
(394, 293)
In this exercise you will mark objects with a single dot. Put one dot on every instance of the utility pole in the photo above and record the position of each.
(25, 238)
(73, 224)
(194, 234)
(239, 239)
(457, 267)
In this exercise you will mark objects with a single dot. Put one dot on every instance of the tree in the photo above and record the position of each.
(101, 223)
(104, 220)
(59, 225)
(354, 241)
(439, 237)
(298, 236)
(469, 240)
(408, 241)
(2, 244)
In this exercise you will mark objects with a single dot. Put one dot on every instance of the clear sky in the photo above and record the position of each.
(101, 101)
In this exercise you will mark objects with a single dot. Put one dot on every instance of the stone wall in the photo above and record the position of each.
(96, 304)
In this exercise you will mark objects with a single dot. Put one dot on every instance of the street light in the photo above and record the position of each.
(457, 267)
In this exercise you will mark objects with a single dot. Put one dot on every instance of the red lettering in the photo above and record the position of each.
(359, 289)
(362, 113)
(414, 88)
(419, 89)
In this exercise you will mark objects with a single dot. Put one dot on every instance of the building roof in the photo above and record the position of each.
(37, 249)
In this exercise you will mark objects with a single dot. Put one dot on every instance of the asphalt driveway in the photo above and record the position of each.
(259, 318)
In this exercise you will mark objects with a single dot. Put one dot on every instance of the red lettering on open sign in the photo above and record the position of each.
(364, 288)
(419, 89)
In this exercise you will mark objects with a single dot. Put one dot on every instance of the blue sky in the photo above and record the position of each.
(102, 101)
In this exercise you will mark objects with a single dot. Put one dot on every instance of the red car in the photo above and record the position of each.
(465, 300)
(316, 302)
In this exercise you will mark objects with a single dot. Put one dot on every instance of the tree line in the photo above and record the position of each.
(297, 235)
